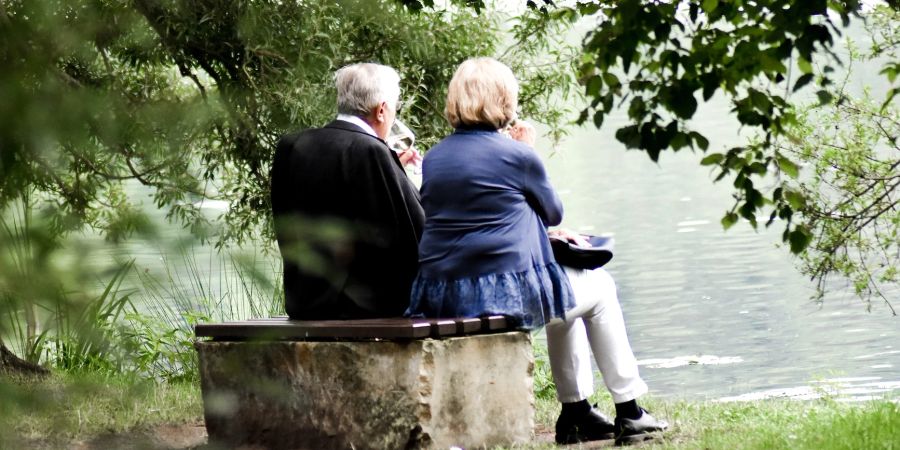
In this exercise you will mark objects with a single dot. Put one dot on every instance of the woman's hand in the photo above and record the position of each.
(409, 156)
(523, 132)
(570, 236)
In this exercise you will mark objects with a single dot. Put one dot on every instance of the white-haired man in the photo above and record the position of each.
(343, 177)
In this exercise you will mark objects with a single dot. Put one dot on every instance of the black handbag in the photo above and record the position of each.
(571, 255)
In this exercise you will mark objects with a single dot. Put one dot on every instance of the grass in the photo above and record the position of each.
(769, 424)
(71, 408)
(66, 408)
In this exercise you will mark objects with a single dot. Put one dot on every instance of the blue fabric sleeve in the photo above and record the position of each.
(539, 192)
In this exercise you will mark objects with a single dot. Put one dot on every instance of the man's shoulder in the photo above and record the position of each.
(336, 133)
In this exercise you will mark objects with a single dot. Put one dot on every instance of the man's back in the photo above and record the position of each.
(348, 222)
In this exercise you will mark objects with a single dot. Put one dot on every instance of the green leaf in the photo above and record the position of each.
(757, 168)
(710, 82)
(679, 141)
(794, 198)
(748, 211)
(594, 84)
(712, 159)
(598, 118)
(630, 136)
(760, 100)
(637, 109)
(804, 65)
(825, 97)
(803, 81)
(770, 64)
(683, 104)
(700, 140)
(891, 71)
(799, 238)
(787, 166)
(611, 80)
(893, 93)
(729, 220)
(710, 5)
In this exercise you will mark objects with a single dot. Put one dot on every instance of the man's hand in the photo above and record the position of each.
(523, 132)
(570, 236)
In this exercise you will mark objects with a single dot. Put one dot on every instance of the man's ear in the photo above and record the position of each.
(381, 111)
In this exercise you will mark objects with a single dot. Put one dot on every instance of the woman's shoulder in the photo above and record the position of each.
(494, 147)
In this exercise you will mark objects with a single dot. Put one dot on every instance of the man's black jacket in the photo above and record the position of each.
(348, 223)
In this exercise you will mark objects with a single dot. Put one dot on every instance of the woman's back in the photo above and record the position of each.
(484, 207)
(487, 201)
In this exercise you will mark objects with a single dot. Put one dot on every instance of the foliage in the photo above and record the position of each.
(160, 338)
(42, 317)
(544, 386)
(850, 200)
(657, 58)
(19, 319)
(545, 64)
(75, 335)
(86, 329)
(189, 98)
(82, 340)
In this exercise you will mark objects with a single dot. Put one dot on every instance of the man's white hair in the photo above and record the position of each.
(362, 87)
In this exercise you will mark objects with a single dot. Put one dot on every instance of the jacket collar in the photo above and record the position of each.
(347, 126)
(358, 121)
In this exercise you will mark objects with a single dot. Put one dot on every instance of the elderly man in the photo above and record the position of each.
(347, 218)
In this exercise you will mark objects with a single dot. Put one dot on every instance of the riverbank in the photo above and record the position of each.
(88, 412)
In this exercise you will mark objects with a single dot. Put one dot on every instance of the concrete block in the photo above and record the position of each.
(469, 392)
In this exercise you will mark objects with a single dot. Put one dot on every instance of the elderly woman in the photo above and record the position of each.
(485, 250)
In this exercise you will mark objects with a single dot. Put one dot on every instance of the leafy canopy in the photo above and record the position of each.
(189, 98)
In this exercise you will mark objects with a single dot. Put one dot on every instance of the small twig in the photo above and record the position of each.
(185, 71)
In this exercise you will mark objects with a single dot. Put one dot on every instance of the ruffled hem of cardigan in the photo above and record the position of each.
(531, 298)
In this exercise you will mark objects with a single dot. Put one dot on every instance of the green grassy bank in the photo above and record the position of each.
(67, 410)
(767, 424)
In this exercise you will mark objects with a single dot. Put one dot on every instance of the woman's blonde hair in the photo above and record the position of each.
(483, 91)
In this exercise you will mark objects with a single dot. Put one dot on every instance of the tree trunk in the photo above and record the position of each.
(13, 365)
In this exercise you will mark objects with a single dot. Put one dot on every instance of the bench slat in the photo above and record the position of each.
(282, 328)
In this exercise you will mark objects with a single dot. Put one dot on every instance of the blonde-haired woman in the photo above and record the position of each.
(485, 250)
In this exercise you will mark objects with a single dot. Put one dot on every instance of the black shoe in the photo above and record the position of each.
(630, 431)
(591, 426)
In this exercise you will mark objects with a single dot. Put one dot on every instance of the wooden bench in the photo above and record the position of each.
(366, 384)
(281, 328)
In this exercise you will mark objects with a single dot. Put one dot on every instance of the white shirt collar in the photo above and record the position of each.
(358, 122)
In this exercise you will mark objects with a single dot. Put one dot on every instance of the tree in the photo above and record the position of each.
(657, 58)
(189, 98)
(850, 198)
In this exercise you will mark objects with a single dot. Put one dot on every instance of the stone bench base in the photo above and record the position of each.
(469, 392)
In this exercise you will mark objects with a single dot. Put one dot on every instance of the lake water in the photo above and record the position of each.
(711, 314)
(715, 314)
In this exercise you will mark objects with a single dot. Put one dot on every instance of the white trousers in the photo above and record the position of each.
(595, 325)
